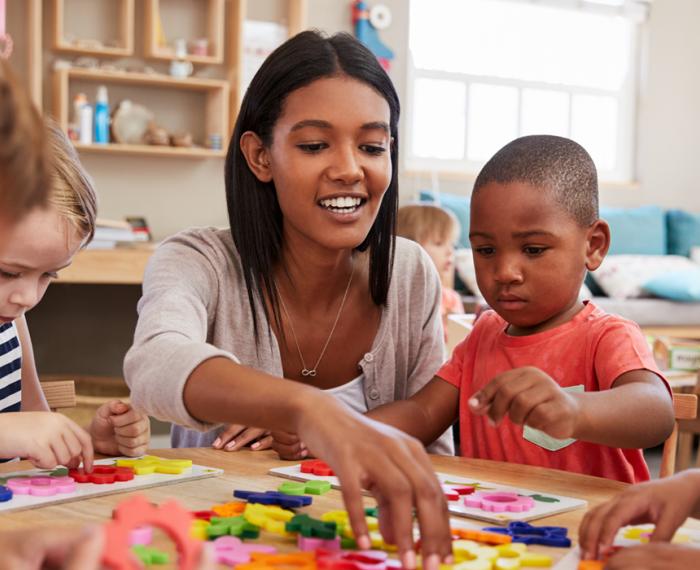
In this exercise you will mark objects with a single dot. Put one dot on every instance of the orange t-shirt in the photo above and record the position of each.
(591, 350)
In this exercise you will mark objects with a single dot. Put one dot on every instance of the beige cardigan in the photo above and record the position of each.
(194, 306)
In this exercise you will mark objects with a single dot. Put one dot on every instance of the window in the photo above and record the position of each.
(483, 72)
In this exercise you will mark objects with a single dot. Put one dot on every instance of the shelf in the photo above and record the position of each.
(119, 266)
(155, 34)
(153, 79)
(125, 27)
(150, 150)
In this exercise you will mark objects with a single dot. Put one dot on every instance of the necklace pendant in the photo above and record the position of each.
(307, 372)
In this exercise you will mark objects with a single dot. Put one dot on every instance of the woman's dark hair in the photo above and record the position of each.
(253, 210)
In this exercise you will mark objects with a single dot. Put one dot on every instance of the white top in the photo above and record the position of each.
(352, 394)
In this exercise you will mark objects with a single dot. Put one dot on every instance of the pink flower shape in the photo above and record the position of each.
(499, 502)
(231, 550)
(41, 486)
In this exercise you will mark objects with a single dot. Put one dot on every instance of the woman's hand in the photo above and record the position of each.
(118, 429)
(393, 466)
(47, 439)
(235, 437)
(289, 446)
(667, 503)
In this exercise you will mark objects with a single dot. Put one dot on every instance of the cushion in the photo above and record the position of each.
(636, 230)
(683, 231)
(458, 205)
(683, 285)
(625, 276)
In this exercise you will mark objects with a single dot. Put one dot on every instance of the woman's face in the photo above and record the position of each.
(330, 161)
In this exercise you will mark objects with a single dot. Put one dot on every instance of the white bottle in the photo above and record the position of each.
(86, 124)
(74, 126)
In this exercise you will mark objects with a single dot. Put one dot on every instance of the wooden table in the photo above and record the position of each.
(248, 470)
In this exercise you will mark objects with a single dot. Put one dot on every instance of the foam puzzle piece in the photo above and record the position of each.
(310, 527)
(150, 556)
(137, 512)
(198, 530)
(204, 515)
(234, 526)
(231, 551)
(5, 494)
(308, 543)
(643, 534)
(152, 464)
(102, 475)
(273, 498)
(526, 533)
(231, 509)
(499, 502)
(472, 555)
(377, 541)
(290, 561)
(309, 488)
(270, 517)
(41, 486)
(342, 521)
(142, 536)
(316, 467)
(591, 565)
(486, 536)
(366, 560)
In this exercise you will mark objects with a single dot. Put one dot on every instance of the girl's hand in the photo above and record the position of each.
(656, 556)
(47, 439)
(393, 466)
(528, 396)
(118, 429)
(235, 437)
(667, 503)
(289, 446)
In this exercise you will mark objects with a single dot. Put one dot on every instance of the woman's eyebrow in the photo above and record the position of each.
(312, 123)
(381, 125)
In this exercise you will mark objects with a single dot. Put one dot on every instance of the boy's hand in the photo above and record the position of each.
(392, 466)
(235, 437)
(289, 446)
(529, 397)
(47, 439)
(666, 502)
(118, 429)
(657, 556)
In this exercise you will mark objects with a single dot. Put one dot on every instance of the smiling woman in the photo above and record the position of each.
(307, 312)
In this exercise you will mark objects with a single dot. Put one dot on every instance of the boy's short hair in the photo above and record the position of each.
(71, 191)
(555, 163)
(423, 222)
(24, 162)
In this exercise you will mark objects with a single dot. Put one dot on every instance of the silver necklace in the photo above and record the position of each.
(304, 370)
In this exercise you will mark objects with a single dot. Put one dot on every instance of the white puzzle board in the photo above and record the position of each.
(89, 490)
(541, 509)
(684, 536)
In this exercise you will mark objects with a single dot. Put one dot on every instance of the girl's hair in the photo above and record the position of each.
(424, 222)
(24, 156)
(71, 190)
(254, 213)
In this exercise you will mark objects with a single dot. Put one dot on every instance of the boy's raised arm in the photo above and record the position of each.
(426, 414)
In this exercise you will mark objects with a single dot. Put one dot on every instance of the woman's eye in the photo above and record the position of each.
(534, 250)
(8, 275)
(312, 147)
(51, 275)
(373, 149)
(485, 250)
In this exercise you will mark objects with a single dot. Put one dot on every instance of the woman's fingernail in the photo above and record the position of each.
(409, 559)
(449, 559)
(304, 452)
(255, 445)
(432, 562)
(363, 542)
(217, 442)
(473, 402)
(230, 445)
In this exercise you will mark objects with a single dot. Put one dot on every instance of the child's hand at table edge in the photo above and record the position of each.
(119, 429)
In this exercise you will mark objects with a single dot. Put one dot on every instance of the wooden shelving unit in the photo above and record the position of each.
(217, 98)
(120, 266)
(126, 33)
(216, 23)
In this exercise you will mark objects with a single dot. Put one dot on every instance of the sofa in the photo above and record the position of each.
(651, 274)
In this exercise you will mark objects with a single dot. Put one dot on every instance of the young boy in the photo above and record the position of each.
(543, 379)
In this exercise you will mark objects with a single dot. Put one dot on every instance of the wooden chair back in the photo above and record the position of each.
(685, 407)
(60, 394)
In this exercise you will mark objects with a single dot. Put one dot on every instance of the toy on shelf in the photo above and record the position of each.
(6, 43)
(367, 21)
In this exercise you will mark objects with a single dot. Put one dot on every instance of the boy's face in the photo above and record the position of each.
(530, 255)
(39, 245)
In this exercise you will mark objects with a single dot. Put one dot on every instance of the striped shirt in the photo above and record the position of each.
(10, 369)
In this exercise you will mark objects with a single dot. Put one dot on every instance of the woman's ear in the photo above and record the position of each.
(597, 244)
(256, 155)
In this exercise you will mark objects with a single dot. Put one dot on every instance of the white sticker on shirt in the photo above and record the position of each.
(547, 441)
